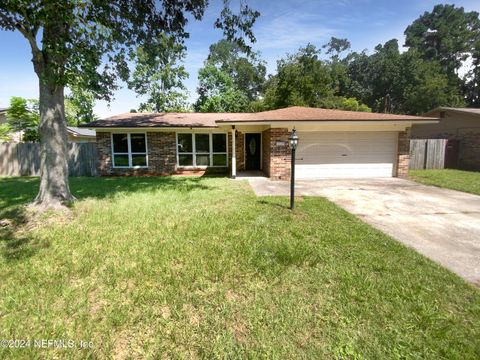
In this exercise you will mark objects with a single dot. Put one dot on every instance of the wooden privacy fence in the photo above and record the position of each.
(24, 159)
(427, 153)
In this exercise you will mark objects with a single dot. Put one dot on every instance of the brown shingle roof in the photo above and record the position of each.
(300, 113)
(294, 113)
(474, 111)
(127, 120)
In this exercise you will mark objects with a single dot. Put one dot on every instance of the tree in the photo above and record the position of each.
(448, 35)
(231, 79)
(218, 93)
(336, 46)
(160, 77)
(471, 82)
(5, 133)
(93, 40)
(79, 106)
(302, 79)
(423, 86)
(23, 116)
(246, 69)
(390, 81)
(338, 68)
(342, 103)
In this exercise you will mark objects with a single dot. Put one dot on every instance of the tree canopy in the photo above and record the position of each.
(160, 77)
(218, 93)
(390, 81)
(231, 78)
(304, 79)
(79, 106)
(449, 35)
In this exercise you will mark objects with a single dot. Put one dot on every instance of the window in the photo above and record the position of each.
(219, 149)
(129, 150)
(202, 149)
(185, 150)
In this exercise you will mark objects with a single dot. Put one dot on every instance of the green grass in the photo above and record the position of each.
(467, 181)
(201, 268)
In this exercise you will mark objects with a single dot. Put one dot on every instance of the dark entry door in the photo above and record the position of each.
(253, 147)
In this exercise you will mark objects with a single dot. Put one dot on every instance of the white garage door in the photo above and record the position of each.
(345, 154)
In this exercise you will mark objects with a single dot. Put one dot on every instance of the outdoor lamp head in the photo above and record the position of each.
(293, 139)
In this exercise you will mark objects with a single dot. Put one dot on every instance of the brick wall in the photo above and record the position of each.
(266, 150)
(469, 157)
(403, 154)
(276, 154)
(104, 153)
(161, 155)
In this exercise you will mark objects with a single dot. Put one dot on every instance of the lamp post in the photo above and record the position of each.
(293, 141)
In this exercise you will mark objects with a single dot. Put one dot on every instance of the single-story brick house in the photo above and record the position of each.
(462, 124)
(332, 143)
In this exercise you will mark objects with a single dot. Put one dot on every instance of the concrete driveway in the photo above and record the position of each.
(441, 224)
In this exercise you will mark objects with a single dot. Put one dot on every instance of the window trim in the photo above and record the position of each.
(129, 153)
(194, 150)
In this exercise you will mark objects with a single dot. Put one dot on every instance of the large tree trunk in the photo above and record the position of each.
(54, 191)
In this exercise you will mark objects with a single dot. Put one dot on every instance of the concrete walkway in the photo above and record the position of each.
(441, 224)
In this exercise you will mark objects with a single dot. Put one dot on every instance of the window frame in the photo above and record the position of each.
(129, 149)
(194, 150)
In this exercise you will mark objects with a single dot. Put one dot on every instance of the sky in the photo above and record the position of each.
(283, 27)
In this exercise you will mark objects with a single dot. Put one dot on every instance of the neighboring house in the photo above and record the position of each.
(462, 124)
(80, 135)
(332, 144)
(15, 136)
(3, 115)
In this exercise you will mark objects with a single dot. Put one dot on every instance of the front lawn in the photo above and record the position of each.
(184, 267)
(467, 181)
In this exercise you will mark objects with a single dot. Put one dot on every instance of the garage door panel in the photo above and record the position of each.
(341, 172)
(345, 154)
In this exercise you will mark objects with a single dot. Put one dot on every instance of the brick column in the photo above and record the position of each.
(276, 153)
(403, 154)
(266, 152)
(104, 153)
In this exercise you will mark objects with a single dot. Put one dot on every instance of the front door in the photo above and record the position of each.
(253, 147)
